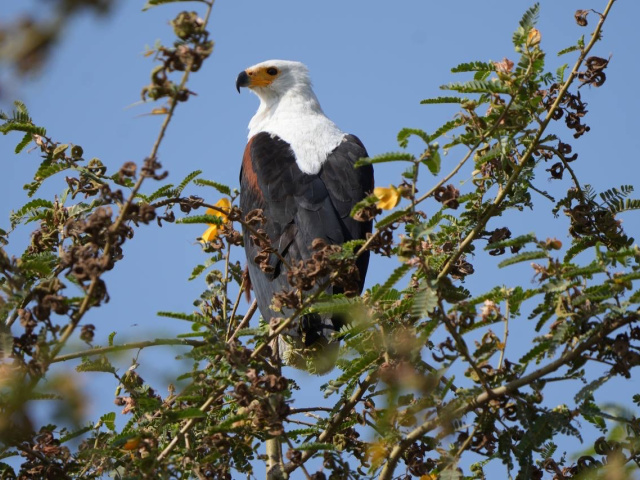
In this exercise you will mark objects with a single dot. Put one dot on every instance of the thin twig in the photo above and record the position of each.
(127, 346)
(506, 333)
(235, 309)
(245, 321)
(462, 346)
(185, 428)
(337, 419)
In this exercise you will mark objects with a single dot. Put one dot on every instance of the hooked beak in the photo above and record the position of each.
(242, 80)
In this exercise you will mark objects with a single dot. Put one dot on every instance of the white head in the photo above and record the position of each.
(273, 79)
(290, 110)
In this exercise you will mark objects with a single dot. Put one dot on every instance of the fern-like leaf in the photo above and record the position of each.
(26, 140)
(31, 208)
(186, 182)
(100, 364)
(425, 301)
(578, 247)
(164, 191)
(353, 371)
(477, 86)
(523, 257)
(535, 352)
(386, 157)
(518, 241)
(195, 318)
(474, 67)
(209, 183)
(430, 101)
(572, 48)
(389, 219)
(405, 133)
(397, 274)
(208, 219)
(447, 127)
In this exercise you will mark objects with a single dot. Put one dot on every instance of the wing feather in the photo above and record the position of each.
(300, 207)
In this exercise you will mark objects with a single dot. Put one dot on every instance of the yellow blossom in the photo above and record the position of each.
(212, 232)
(388, 198)
(377, 452)
(533, 38)
(131, 443)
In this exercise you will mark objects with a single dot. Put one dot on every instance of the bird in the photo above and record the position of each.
(298, 169)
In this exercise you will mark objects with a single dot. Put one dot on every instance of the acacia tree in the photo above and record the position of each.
(395, 384)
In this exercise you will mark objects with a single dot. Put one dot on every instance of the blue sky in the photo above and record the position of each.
(371, 63)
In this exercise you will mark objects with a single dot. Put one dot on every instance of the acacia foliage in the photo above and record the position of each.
(395, 407)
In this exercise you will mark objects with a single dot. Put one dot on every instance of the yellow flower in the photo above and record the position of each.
(132, 443)
(533, 38)
(212, 232)
(377, 452)
(388, 198)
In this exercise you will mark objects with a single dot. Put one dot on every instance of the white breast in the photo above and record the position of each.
(299, 121)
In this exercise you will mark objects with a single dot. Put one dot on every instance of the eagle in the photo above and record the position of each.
(298, 169)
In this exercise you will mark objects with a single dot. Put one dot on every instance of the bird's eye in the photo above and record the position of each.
(272, 71)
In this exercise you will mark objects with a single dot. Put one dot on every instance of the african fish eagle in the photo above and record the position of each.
(298, 168)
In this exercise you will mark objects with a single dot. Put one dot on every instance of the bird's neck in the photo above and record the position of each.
(299, 102)
(297, 118)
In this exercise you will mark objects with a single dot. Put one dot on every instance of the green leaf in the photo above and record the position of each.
(46, 170)
(26, 140)
(32, 209)
(40, 264)
(109, 420)
(579, 246)
(100, 364)
(560, 73)
(155, 3)
(572, 48)
(21, 107)
(192, 412)
(22, 127)
(353, 370)
(186, 182)
(337, 304)
(518, 241)
(76, 433)
(588, 390)
(587, 271)
(316, 446)
(535, 352)
(430, 101)
(528, 21)
(389, 219)
(530, 17)
(447, 127)
(477, 86)
(405, 133)
(386, 157)
(397, 274)
(206, 219)
(474, 67)
(523, 257)
(425, 301)
(209, 183)
(196, 318)
(164, 191)
(432, 159)
(60, 149)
